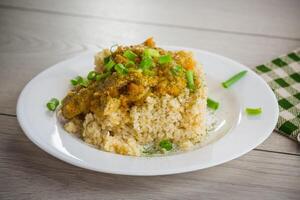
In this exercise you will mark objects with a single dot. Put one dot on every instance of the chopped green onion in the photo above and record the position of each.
(102, 76)
(253, 111)
(130, 64)
(190, 80)
(109, 65)
(166, 144)
(146, 63)
(151, 53)
(212, 104)
(92, 75)
(164, 59)
(176, 70)
(130, 55)
(107, 59)
(84, 83)
(121, 69)
(52, 104)
(233, 79)
(76, 80)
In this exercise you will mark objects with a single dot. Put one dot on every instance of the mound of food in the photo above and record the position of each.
(140, 99)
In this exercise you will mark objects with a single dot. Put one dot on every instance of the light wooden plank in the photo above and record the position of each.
(30, 173)
(28, 45)
(34, 41)
(262, 17)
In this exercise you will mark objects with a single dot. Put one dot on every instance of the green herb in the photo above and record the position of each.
(107, 59)
(253, 111)
(84, 83)
(233, 79)
(92, 75)
(151, 53)
(146, 63)
(52, 104)
(212, 104)
(166, 144)
(190, 80)
(102, 76)
(176, 70)
(129, 54)
(130, 64)
(76, 80)
(121, 69)
(109, 65)
(164, 59)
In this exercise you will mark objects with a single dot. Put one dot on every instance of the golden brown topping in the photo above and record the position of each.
(150, 42)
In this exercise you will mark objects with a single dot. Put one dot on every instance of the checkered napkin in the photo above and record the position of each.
(283, 76)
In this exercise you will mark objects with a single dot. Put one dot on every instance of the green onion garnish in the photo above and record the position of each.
(253, 111)
(151, 53)
(102, 76)
(84, 83)
(76, 80)
(146, 63)
(92, 75)
(121, 69)
(107, 59)
(166, 144)
(233, 79)
(176, 70)
(52, 104)
(130, 55)
(129, 64)
(212, 104)
(164, 59)
(190, 80)
(109, 65)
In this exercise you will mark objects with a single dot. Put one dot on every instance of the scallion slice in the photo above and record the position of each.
(121, 69)
(129, 54)
(151, 53)
(166, 144)
(92, 75)
(109, 65)
(190, 80)
(102, 76)
(52, 104)
(253, 111)
(164, 59)
(176, 70)
(212, 104)
(130, 64)
(233, 79)
(84, 83)
(146, 63)
(77, 80)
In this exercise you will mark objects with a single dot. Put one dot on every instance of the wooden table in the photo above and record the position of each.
(36, 34)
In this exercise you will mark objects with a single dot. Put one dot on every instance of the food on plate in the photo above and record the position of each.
(253, 111)
(139, 100)
(234, 79)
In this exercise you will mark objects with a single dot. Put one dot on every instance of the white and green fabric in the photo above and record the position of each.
(283, 76)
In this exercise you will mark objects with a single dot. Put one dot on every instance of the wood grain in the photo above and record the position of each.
(37, 34)
(29, 173)
(27, 42)
(274, 18)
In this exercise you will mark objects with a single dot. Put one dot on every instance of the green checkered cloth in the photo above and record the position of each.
(283, 76)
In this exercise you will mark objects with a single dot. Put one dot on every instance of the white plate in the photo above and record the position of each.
(237, 135)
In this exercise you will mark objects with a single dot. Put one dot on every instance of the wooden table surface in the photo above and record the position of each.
(37, 34)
